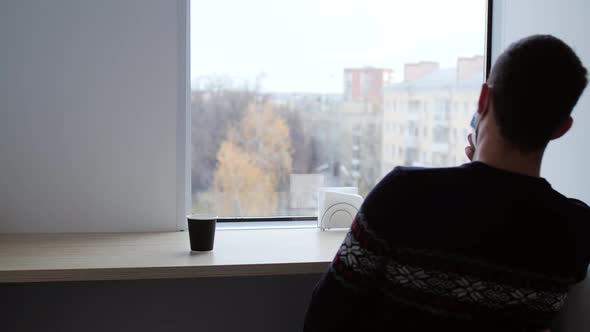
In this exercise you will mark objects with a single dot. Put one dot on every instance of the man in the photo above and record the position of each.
(487, 246)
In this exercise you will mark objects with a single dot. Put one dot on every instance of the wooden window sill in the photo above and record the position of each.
(124, 256)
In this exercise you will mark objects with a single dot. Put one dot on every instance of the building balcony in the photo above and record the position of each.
(441, 121)
(410, 141)
(440, 147)
(413, 116)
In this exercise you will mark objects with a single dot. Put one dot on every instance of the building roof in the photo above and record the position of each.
(442, 78)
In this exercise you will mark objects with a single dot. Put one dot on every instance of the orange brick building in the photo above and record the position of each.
(366, 84)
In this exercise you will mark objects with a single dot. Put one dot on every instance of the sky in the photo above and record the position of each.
(304, 45)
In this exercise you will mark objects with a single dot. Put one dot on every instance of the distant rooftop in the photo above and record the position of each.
(468, 74)
(442, 78)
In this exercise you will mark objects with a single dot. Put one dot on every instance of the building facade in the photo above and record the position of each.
(360, 144)
(426, 117)
(366, 84)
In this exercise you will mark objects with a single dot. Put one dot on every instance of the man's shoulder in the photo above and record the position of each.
(578, 204)
(572, 205)
(404, 183)
(426, 174)
(580, 212)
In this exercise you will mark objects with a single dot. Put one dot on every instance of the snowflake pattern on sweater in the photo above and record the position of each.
(364, 260)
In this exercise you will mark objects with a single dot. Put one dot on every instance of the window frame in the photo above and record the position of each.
(183, 117)
(184, 157)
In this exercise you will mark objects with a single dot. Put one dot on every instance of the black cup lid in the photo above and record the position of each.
(201, 216)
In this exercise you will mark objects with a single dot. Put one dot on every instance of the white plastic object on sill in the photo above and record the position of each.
(337, 207)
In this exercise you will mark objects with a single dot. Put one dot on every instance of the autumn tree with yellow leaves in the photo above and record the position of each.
(253, 164)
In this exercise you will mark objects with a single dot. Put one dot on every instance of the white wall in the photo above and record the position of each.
(567, 159)
(90, 97)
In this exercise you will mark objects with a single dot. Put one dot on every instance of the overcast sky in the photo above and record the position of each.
(304, 45)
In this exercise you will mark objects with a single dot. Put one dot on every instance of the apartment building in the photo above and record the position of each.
(426, 116)
(360, 144)
(366, 84)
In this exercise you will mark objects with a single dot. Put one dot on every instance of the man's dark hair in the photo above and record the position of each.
(535, 84)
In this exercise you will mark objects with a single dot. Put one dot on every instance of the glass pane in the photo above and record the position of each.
(289, 96)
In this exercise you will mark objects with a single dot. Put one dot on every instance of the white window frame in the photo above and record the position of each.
(184, 206)
(183, 125)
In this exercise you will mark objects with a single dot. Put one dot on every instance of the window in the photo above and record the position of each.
(440, 134)
(414, 106)
(277, 92)
(412, 129)
(356, 154)
(440, 159)
(372, 129)
(441, 110)
(356, 140)
(347, 83)
(411, 157)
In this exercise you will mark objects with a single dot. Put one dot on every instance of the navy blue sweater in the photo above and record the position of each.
(469, 248)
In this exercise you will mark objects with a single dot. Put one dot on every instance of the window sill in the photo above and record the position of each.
(125, 256)
(241, 225)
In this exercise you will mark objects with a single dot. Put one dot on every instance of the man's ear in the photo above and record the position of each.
(484, 99)
(563, 128)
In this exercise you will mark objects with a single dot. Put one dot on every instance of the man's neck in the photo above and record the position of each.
(504, 157)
